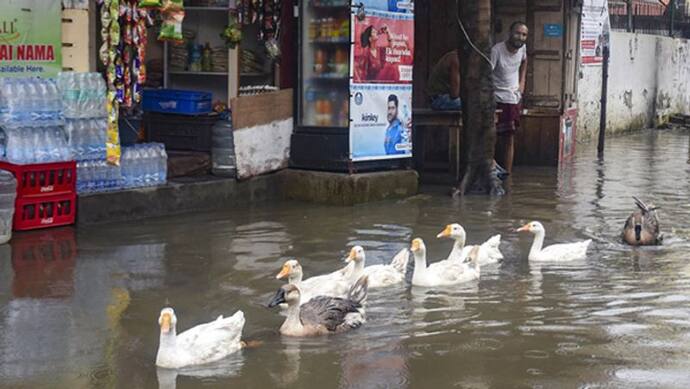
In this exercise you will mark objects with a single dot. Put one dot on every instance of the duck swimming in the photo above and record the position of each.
(379, 275)
(322, 314)
(446, 272)
(335, 284)
(642, 226)
(489, 251)
(555, 253)
(198, 345)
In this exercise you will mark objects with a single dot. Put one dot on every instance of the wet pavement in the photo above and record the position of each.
(79, 308)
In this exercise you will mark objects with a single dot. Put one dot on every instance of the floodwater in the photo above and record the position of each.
(79, 308)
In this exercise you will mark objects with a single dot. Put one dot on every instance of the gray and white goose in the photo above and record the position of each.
(322, 315)
(642, 226)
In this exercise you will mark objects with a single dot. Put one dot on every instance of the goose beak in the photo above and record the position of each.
(445, 233)
(638, 232)
(352, 256)
(283, 272)
(279, 298)
(415, 245)
(165, 323)
(526, 227)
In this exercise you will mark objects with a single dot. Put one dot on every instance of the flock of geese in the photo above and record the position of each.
(335, 302)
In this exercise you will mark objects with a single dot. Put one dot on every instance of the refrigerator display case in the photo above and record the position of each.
(332, 37)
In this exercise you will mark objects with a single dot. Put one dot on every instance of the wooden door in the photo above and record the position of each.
(545, 50)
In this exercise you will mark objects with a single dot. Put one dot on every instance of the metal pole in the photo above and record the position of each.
(629, 8)
(604, 91)
(672, 5)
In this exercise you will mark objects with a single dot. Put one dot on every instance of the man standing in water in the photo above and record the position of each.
(509, 64)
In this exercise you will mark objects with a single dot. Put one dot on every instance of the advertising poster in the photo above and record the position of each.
(381, 125)
(595, 31)
(30, 38)
(383, 49)
(403, 6)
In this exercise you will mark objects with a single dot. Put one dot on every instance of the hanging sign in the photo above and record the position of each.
(595, 31)
(382, 56)
(30, 38)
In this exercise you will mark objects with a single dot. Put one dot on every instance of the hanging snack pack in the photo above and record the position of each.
(150, 3)
(110, 56)
(172, 13)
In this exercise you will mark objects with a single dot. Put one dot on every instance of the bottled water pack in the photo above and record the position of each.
(140, 165)
(87, 138)
(25, 145)
(83, 95)
(29, 102)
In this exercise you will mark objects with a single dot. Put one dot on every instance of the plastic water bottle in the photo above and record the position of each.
(162, 164)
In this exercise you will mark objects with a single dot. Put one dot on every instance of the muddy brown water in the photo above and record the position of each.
(79, 308)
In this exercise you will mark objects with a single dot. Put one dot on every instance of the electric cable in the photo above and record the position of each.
(462, 27)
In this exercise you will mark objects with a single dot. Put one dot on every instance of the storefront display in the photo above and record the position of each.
(356, 83)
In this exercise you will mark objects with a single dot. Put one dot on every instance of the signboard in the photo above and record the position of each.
(595, 31)
(381, 121)
(30, 38)
(382, 57)
(553, 30)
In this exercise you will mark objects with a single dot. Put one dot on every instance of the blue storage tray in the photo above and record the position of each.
(182, 102)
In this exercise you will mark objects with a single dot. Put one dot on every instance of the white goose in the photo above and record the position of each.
(555, 253)
(441, 273)
(379, 275)
(198, 345)
(489, 251)
(335, 284)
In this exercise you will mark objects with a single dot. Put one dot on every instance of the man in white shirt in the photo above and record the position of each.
(509, 64)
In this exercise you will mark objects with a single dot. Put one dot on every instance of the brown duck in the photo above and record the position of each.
(642, 227)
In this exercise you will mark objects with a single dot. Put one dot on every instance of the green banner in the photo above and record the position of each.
(30, 38)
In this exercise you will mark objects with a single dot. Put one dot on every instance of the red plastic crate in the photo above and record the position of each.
(31, 213)
(43, 178)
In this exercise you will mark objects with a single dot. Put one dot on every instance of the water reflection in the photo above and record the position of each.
(619, 318)
(209, 374)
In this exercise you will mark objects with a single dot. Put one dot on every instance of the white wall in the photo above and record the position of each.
(649, 78)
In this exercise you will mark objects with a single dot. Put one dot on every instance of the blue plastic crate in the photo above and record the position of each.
(182, 102)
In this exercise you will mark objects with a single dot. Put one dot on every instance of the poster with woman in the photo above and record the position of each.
(383, 49)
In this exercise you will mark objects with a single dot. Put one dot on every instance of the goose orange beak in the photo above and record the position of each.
(165, 323)
(445, 233)
(415, 244)
(352, 255)
(283, 272)
(526, 227)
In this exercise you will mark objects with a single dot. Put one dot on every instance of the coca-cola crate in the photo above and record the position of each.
(42, 179)
(46, 211)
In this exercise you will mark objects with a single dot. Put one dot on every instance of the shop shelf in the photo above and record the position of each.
(43, 178)
(47, 211)
(185, 72)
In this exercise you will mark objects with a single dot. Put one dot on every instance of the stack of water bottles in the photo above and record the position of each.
(83, 98)
(31, 121)
(144, 164)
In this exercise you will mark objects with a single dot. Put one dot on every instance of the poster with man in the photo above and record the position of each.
(383, 49)
(381, 126)
(595, 31)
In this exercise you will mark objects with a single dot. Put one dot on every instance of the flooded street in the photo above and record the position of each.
(79, 308)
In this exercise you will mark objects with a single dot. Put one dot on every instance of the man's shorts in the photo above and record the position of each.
(508, 119)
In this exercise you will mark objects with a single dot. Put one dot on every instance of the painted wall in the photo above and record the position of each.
(649, 79)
